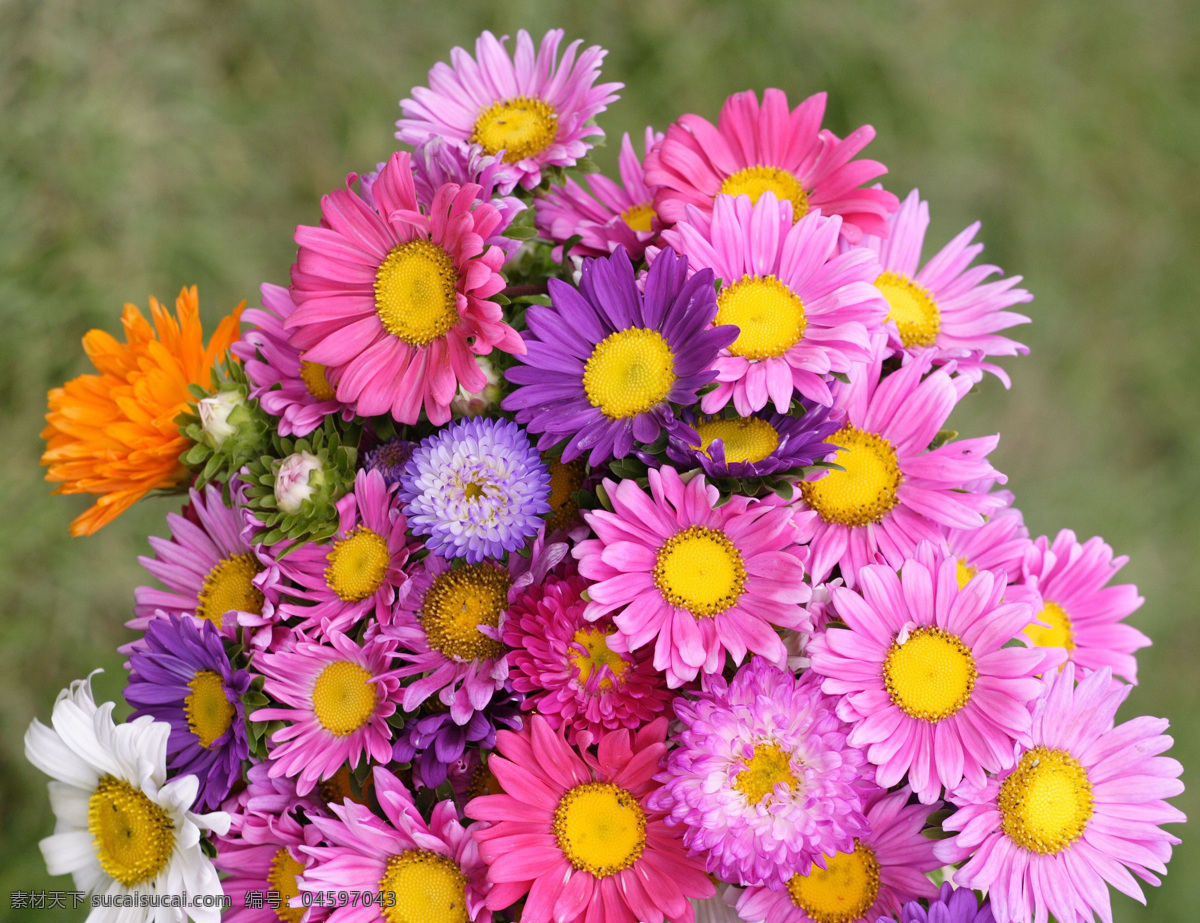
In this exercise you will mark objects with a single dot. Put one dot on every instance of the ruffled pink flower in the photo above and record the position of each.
(265, 860)
(696, 579)
(394, 301)
(753, 149)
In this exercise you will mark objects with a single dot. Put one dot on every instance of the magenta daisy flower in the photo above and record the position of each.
(883, 868)
(266, 861)
(574, 833)
(695, 578)
(999, 545)
(803, 309)
(533, 109)
(1082, 805)
(894, 493)
(607, 214)
(337, 584)
(334, 699)
(762, 781)
(419, 871)
(946, 305)
(924, 673)
(568, 673)
(754, 150)
(1066, 583)
(394, 301)
(286, 386)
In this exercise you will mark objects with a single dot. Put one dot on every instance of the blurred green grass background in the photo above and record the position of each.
(148, 146)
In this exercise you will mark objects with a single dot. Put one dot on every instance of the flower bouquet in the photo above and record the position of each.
(559, 547)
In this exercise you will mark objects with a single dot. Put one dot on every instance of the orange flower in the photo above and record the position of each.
(114, 434)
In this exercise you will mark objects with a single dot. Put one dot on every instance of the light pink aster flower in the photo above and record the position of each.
(894, 493)
(803, 309)
(573, 832)
(607, 214)
(885, 869)
(999, 545)
(946, 305)
(335, 699)
(394, 301)
(532, 108)
(753, 150)
(1066, 584)
(418, 870)
(264, 859)
(1082, 805)
(695, 579)
(924, 674)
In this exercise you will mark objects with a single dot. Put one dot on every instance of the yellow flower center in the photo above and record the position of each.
(565, 479)
(600, 828)
(132, 835)
(427, 888)
(457, 603)
(912, 308)
(521, 127)
(931, 675)
(599, 654)
(339, 788)
(358, 564)
(841, 892)
(746, 439)
(416, 292)
(965, 572)
(754, 181)
(769, 317)
(639, 217)
(1046, 802)
(282, 878)
(313, 376)
(700, 570)
(629, 372)
(767, 768)
(863, 493)
(228, 587)
(208, 710)
(483, 782)
(1056, 632)
(343, 698)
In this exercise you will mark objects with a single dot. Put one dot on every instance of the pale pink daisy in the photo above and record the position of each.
(999, 545)
(695, 578)
(1082, 805)
(754, 150)
(803, 309)
(266, 861)
(394, 301)
(606, 214)
(334, 699)
(924, 673)
(532, 108)
(946, 305)
(886, 868)
(894, 493)
(574, 834)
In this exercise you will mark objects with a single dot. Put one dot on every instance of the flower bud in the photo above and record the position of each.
(298, 478)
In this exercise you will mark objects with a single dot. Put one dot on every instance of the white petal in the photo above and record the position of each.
(66, 852)
(70, 804)
(46, 750)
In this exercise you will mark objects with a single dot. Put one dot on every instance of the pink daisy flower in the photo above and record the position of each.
(803, 309)
(574, 833)
(924, 674)
(358, 572)
(266, 861)
(754, 150)
(696, 579)
(335, 699)
(607, 214)
(945, 305)
(563, 664)
(885, 869)
(419, 871)
(1066, 584)
(1081, 806)
(288, 387)
(532, 108)
(894, 493)
(395, 301)
(999, 545)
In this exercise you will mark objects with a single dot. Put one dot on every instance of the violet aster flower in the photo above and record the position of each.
(756, 446)
(953, 905)
(390, 459)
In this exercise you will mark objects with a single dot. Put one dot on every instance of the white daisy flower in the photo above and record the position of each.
(122, 829)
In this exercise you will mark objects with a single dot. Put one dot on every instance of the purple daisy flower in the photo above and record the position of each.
(390, 459)
(183, 677)
(477, 489)
(606, 362)
(953, 905)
